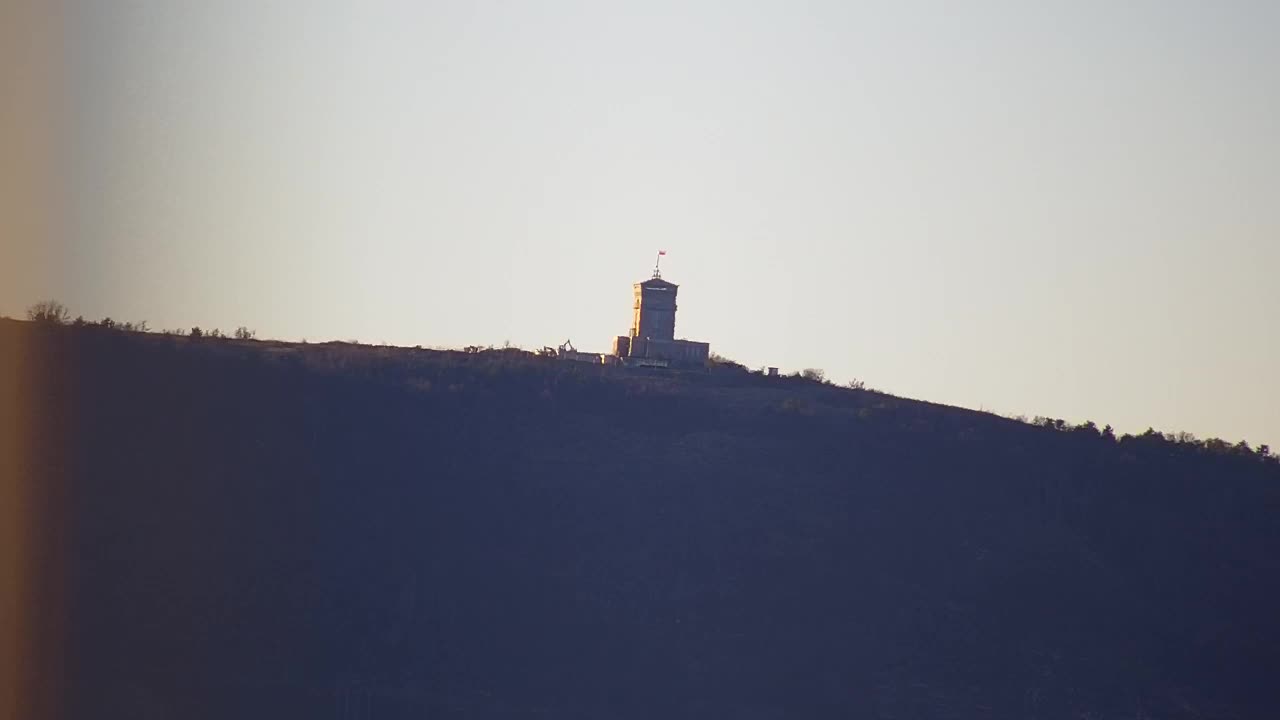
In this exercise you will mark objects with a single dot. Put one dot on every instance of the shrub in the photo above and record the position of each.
(1087, 427)
(50, 312)
(244, 333)
(1051, 423)
(716, 360)
(196, 332)
(814, 374)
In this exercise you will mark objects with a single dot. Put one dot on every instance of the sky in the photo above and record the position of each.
(1068, 209)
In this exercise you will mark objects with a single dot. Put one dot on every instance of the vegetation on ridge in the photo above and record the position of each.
(353, 355)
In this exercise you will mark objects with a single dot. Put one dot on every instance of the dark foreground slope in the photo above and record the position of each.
(242, 530)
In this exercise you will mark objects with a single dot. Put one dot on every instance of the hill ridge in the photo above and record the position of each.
(256, 529)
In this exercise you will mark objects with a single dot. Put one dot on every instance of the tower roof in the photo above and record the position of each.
(657, 282)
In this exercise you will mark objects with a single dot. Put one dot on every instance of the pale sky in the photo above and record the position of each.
(1060, 208)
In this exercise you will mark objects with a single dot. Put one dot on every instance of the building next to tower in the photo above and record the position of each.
(652, 339)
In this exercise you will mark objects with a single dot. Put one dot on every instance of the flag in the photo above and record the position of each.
(662, 252)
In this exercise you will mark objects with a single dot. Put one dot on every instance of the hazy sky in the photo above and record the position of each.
(1069, 209)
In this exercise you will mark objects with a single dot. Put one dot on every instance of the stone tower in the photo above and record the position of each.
(652, 341)
(655, 309)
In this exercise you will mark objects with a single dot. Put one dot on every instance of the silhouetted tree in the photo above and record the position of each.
(814, 374)
(196, 332)
(244, 333)
(50, 312)
(1087, 427)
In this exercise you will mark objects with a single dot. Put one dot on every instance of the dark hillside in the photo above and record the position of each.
(243, 529)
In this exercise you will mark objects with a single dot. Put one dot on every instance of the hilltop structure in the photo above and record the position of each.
(652, 338)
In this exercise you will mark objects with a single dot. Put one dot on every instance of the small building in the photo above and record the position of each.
(679, 352)
(622, 346)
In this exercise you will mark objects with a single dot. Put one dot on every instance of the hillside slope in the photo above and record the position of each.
(248, 529)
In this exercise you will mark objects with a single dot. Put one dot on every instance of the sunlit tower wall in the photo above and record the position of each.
(655, 310)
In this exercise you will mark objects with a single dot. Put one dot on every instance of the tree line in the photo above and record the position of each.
(52, 312)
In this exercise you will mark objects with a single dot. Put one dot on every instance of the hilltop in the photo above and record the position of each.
(243, 528)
